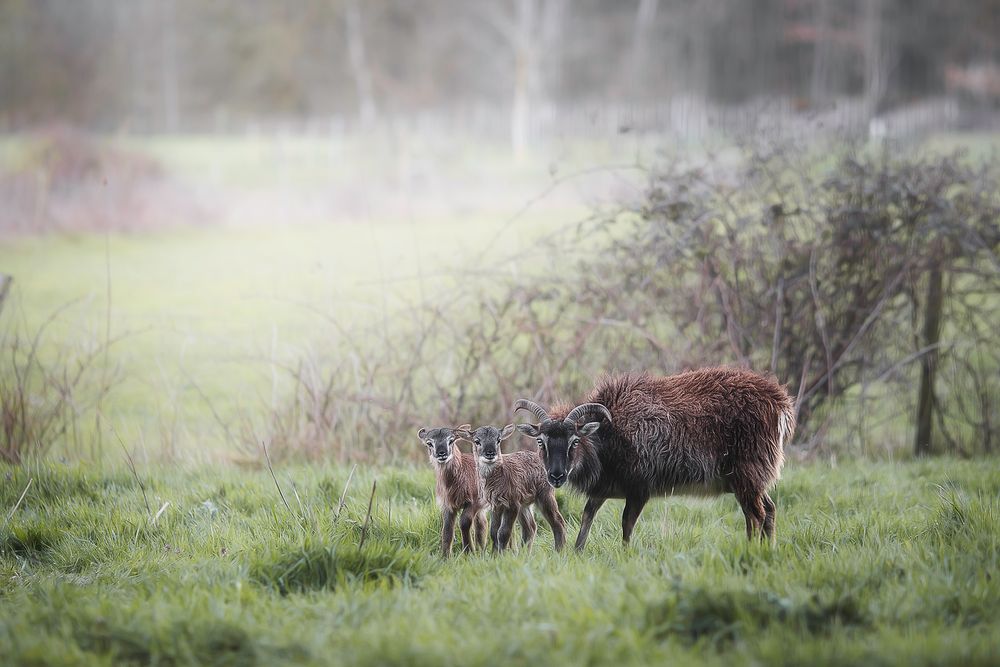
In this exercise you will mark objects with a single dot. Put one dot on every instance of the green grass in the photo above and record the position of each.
(876, 563)
(206, 315)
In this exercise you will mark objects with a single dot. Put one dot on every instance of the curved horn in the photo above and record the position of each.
(587, 408)
(532, 407)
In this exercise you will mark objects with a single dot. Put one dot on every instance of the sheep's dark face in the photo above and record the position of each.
(440, 443)
(559, 443)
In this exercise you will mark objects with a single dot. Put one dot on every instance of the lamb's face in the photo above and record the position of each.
(558, 442)
(487, 439)
(440, 443)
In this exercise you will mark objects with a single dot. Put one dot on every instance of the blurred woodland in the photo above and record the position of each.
(751, 189)
(184, 65)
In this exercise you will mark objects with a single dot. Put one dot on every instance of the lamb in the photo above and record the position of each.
(510, 484)
(710, 431)
(457, 488)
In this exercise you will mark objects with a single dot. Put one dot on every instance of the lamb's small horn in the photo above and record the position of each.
(586, 409)
(532, 407)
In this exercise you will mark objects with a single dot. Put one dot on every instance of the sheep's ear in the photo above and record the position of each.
(421, 433)
(529, 429)
(463, 433)
(507, 431)
(589, 428)
(463, 427)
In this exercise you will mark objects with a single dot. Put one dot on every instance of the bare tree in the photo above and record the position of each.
(642, 30)
(874, 48)
(931, 338)
(532, 33)
(819, 86)
(360, 71)
(169, 87)
(527, 78)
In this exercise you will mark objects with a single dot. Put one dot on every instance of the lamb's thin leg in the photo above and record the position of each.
(550, 510)
(589, 510)
(528, 526)
(495, 518)
(447, 531)
(769, 513)
(506, 527)
(465, 523)
(481, 530)
(633, 508)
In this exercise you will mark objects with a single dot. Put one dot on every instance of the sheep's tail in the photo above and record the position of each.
(786, 429)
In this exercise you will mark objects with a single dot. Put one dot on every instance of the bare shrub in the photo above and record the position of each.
(50, 393)
(815, 266)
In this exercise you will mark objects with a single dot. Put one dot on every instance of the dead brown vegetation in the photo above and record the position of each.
(65, 180)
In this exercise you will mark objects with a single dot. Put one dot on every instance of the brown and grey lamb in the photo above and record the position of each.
(457, 488)
(510, 484)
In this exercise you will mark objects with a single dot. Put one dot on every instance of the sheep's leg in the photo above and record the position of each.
(447, 531)
(753, 510)
(506, 527)
(769, 513)
(465, 523)
(528, 526)
(481, 530)
(633, 508)
(751, 522)
(589, 510)
(550, 510)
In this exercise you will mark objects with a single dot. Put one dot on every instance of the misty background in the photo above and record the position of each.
(323, 223)
(526, 70)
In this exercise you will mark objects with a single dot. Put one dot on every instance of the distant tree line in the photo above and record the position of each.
(164, 65)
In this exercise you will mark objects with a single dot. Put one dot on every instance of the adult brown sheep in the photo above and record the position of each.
(707, 432)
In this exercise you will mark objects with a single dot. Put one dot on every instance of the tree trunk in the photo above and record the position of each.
(519, 114)
(525, 76)
(169, 89)
(552, 28)
(358, 60)
(642, 30)
(873, 49)
(928, 365)
(819, 86)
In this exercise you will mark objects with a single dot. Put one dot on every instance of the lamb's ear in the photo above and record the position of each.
(529, 429)
(421, 433)
(589, 428)
(463, 433)
(507, 431)
(463, 427)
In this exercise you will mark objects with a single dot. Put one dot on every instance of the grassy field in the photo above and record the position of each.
(206, 313)
(875, 564)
